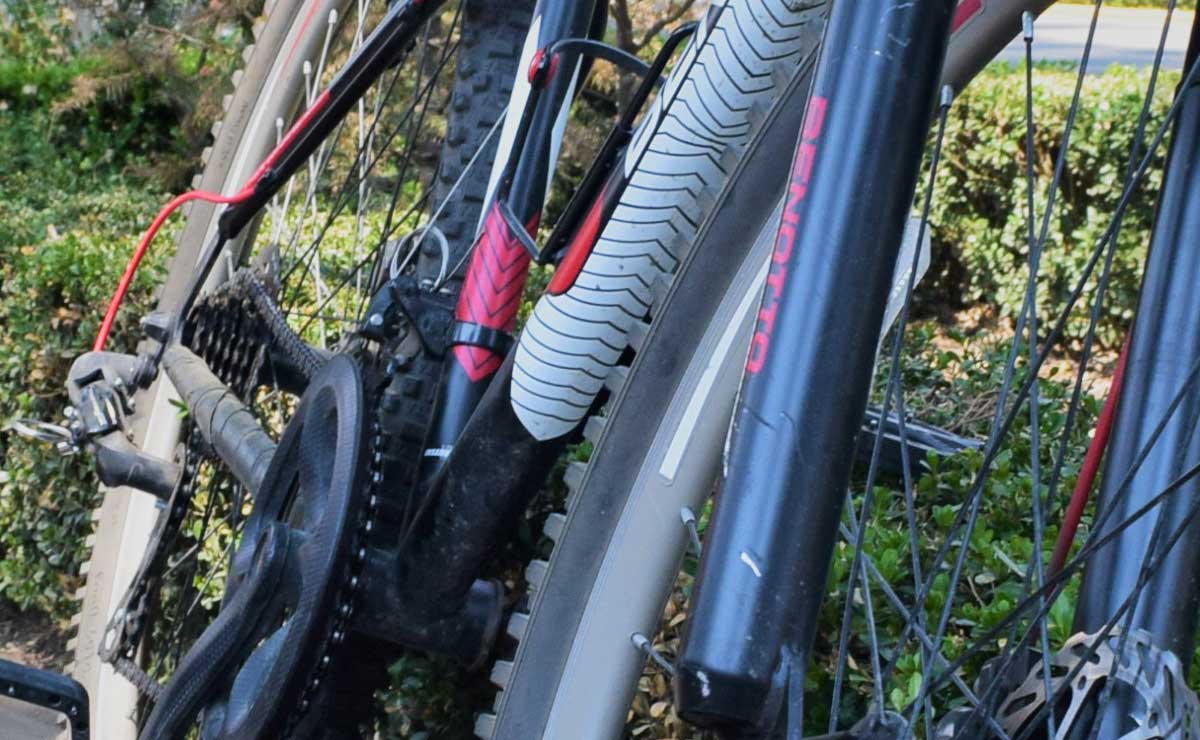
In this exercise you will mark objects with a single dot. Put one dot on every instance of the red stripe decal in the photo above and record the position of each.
(967, 9)
(806, 156)
(580, 249)
(491, 293)
(287, 63)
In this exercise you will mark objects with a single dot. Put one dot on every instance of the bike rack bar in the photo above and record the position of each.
(49, 690)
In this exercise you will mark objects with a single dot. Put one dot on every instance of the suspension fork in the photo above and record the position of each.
(495, 280)
(808, 374)
(1164, 349)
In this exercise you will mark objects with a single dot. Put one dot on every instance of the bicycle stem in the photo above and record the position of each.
(765, 566)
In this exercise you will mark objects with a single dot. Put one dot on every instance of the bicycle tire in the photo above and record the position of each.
(618, 545)
(546, 690)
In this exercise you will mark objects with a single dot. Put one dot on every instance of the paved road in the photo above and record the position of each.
(23, 722)
(1124, 35)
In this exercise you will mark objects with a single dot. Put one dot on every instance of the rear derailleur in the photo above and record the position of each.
(319, 571)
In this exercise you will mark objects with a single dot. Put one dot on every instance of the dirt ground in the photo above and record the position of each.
(32, 639)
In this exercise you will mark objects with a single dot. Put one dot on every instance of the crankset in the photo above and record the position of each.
(258, 668)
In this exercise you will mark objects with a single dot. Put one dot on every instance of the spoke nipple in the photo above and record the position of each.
(947, 96)
(643, 644)
(333, 17)
(307, 68)
(1027, 25)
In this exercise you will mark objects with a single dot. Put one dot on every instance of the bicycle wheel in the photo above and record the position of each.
(597, 602)
(418, 148)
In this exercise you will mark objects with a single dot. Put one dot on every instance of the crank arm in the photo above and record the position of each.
(210, 659)
(223, 420)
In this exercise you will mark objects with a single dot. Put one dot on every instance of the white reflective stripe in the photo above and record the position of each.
(691, 415)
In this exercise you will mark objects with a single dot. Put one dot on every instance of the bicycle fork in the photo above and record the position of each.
(1154, 439)
(808, 374)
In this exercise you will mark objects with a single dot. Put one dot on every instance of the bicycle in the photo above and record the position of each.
(293, 651)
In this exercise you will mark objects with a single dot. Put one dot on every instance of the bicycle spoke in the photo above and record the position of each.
(1028, 623)
(992, 449)
(857, 573)
(1057, 581)
(1035, 252)
(343, 197)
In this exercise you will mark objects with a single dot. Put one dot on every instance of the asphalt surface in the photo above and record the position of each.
(24, 722)
(1123, 36)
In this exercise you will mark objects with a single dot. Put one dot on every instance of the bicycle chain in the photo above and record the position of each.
(347, 599)
(142, 681)
(218, 336)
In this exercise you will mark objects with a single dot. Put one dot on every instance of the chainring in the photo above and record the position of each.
(232, 330)
(317, 486)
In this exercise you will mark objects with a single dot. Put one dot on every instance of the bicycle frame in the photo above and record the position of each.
(760, 583)
(804, 392)
(477, 441)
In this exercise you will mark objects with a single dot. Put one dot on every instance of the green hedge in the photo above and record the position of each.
(979, 215)
(68, 221)
(72, 205)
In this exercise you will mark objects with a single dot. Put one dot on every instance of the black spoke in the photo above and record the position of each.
(992, 449)
(857, 572)
(349, 185)
(1035, 252)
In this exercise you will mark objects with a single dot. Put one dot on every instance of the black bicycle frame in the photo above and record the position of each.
(766, 560)
(1163, 355)
(495, 281)
(807, 378)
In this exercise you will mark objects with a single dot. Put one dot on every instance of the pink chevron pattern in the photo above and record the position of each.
(491, 293)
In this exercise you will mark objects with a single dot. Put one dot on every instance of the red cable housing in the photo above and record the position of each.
(1091, 467)
(247, 190)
